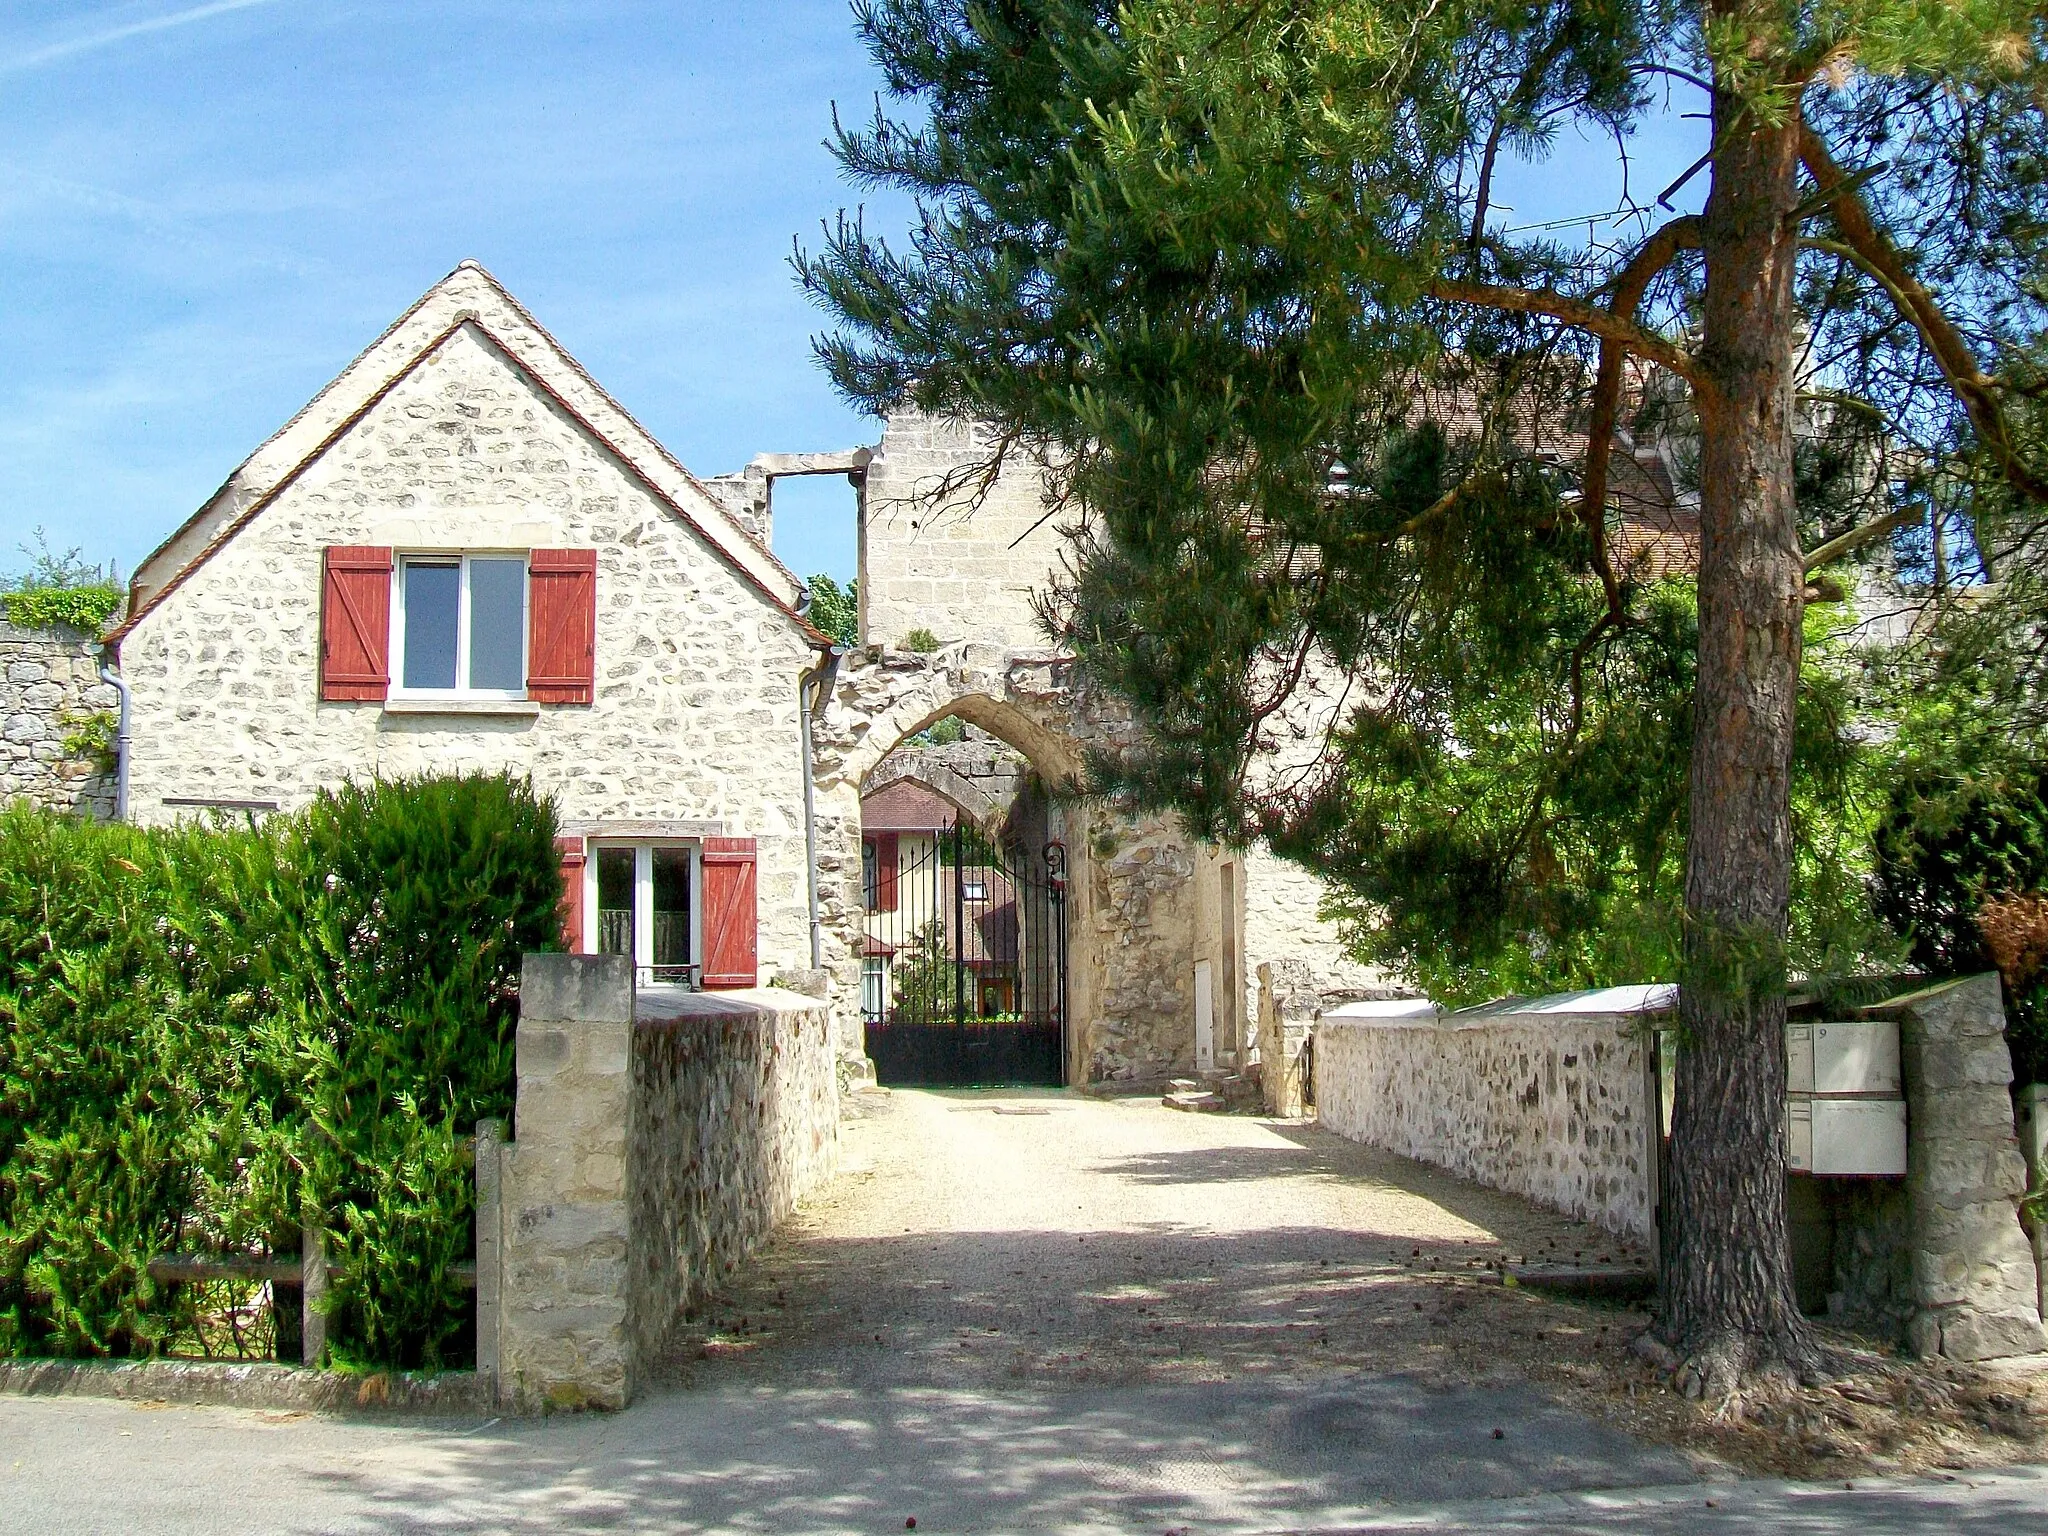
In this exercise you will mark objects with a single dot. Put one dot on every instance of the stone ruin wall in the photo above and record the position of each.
(49, 691)
(933, 558)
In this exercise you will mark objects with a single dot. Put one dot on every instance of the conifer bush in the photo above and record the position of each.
(208, 1035)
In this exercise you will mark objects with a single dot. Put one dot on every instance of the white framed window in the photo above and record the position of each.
(874, 987)
(645, 900)
(459, 626)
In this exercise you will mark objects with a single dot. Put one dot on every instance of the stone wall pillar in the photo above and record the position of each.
(1973, 1276)
(563, 1339)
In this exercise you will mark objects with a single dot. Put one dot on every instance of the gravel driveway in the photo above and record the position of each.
(1054, 1238)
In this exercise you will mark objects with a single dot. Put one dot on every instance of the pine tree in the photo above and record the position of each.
(1233, 269)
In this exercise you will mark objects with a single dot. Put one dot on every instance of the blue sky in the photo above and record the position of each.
(206, 209)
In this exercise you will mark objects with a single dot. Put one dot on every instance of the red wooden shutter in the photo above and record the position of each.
(561, 648)
(731, 916)
(887, 860)
(571, 850)
(355, 622)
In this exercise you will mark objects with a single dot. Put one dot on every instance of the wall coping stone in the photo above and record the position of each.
(1615, 1003)
(251, 1384)
(664, 1004)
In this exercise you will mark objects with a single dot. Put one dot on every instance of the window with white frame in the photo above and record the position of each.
(459, 626)
(641, 900)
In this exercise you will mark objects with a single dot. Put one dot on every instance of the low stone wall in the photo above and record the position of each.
(735, 1118)
(651, 1154)
(49, 686)
(1551, 1099)
(1553, 1104)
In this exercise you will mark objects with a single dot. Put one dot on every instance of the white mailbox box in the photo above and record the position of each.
(1843, 1058)
(1846, 1137)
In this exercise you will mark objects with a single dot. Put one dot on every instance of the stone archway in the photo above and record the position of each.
(1131, 923)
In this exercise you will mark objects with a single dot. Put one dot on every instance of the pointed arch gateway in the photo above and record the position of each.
(962, 931)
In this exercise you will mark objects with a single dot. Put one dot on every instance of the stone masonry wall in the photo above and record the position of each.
(735, 1119)
(49, 685)
(1554, 1107)
(649, 1157)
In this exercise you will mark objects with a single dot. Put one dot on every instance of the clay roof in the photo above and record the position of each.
(906, 806)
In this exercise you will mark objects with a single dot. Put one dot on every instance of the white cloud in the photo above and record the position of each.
(106, 37)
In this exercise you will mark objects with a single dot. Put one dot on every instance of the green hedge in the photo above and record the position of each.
(207, 1033)
(1944, 850)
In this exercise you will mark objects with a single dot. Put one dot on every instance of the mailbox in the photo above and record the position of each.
(1844, 1116)
(1843, 1058)
(1846, 1137)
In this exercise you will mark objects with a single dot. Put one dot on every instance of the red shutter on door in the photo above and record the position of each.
(887, 860)
(731, 919)
(355, 622)
(571, 850)
(561, 647)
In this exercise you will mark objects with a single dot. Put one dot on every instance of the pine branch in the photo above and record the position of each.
(1875, 253)
(1587, 317)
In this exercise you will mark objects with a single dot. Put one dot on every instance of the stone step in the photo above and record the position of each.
(1198, 1102)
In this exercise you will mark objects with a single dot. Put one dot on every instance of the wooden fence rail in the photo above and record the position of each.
(310, 1272)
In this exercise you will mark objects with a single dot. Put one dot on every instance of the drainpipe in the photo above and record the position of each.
(122, 739)
(816, 677)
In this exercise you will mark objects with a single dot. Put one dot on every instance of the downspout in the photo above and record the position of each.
(815, 677)
(122, 739)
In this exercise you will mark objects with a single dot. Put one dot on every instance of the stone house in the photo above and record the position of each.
(463, 554)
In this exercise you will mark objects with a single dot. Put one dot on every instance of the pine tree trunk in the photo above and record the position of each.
(1728, 1300)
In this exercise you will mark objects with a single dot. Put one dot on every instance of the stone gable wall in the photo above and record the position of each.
(695, 714)
(49, 685)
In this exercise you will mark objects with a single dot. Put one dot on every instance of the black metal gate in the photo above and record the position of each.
(964, 968)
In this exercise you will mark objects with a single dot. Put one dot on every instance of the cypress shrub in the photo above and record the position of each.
(209, 1035)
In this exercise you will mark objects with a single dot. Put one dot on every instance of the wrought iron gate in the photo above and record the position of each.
(964, 967)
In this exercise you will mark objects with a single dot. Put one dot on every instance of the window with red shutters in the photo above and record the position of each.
(561, 650)
(888, 859)
(731, 915)
(355, 622)
(571, 850)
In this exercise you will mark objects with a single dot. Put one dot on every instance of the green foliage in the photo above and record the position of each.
(59, 589)
(921, 640)
(86, 609)
(941, 733)
(1197, 257)
(208, 1033)
(923, 976)
(1949, 843)
(93, 735)
(836, 609)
